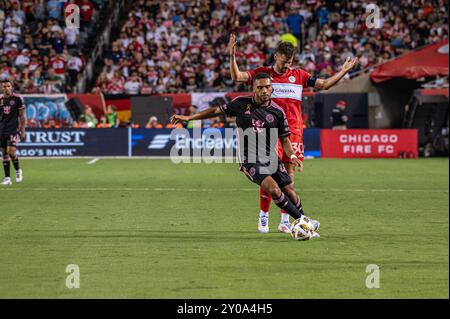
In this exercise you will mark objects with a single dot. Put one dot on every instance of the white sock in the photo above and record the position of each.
(263, 214)
(284, 217)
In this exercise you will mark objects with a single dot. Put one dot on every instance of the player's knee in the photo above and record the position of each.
(275, 191)
(11, 151)
(289, 189)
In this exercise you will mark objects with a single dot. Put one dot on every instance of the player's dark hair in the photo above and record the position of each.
(262, 75)
(286, 48)
(7, 81)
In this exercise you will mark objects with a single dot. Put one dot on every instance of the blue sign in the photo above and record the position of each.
(142, 142)
(74, 142)
(311, 142)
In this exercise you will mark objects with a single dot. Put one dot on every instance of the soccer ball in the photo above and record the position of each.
(302, 229)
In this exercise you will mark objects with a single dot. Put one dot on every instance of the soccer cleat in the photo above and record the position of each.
(6, 181)
(19, 176)
(314, 235)
(284, 227)
(263, 224)
(316, 224)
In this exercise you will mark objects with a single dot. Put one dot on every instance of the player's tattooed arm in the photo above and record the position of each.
(206, 114)
(22, 121)
(325, 84)
(236, 75)
(287, 148)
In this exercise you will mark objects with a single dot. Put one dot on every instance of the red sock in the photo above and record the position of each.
(264, 200)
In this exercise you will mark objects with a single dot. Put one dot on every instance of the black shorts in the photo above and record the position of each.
(9, 140)
(258, 172)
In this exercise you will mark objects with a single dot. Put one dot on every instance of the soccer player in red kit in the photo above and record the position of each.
(288, 84)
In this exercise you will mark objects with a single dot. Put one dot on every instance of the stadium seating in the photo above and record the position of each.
(38, 50)
(173, 48)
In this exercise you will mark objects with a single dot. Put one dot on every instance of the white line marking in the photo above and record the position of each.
(51, 144)
(148, 189)
(93, 161)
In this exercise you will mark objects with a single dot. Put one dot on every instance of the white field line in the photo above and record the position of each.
(93, 161)
(150, 189)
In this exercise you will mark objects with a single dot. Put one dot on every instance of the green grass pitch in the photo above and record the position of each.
(153, 229)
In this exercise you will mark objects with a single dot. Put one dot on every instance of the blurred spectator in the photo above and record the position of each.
(339, 117)
(52, 83)
(89, 117)
(103, 123)
(153, 123)
(133, 84)
(111, 115)
(51, 123)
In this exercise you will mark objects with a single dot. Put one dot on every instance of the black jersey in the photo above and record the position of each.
(256, 122)
(338, 117)
(9, 113)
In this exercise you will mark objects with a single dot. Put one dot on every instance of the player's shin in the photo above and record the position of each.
(284, 215)
(15, 161)
(284, 203)
(6, 167)
(264, 200)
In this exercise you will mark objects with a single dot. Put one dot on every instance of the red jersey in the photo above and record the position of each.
(58, 64)
(287, 93)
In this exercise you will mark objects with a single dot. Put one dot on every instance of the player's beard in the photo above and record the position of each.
(264, 98)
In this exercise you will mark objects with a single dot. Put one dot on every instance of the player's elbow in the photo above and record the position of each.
(325, 86)
(241, 77)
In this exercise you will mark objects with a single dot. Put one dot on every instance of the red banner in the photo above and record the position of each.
(369, 143)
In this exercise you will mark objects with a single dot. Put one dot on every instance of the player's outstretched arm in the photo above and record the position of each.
(206, 114)
(236, 75)
(287, 148)
(325, 84)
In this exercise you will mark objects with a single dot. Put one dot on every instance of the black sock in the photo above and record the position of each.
(299, 206)
(6, 168)
(284, 203)
(16, 163)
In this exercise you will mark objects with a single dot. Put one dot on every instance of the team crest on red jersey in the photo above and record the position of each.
(292, 79)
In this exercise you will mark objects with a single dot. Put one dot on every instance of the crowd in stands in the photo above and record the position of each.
(39, 51)
(181, 46)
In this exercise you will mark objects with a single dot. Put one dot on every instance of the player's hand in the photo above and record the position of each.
(22, 135)
(175, 119)
(297, 162)
(232, 44)
(349, 64)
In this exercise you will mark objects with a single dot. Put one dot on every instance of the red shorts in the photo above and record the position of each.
(297, 147)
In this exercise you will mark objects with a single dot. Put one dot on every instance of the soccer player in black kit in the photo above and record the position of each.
(260, 115)
(12, 129)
